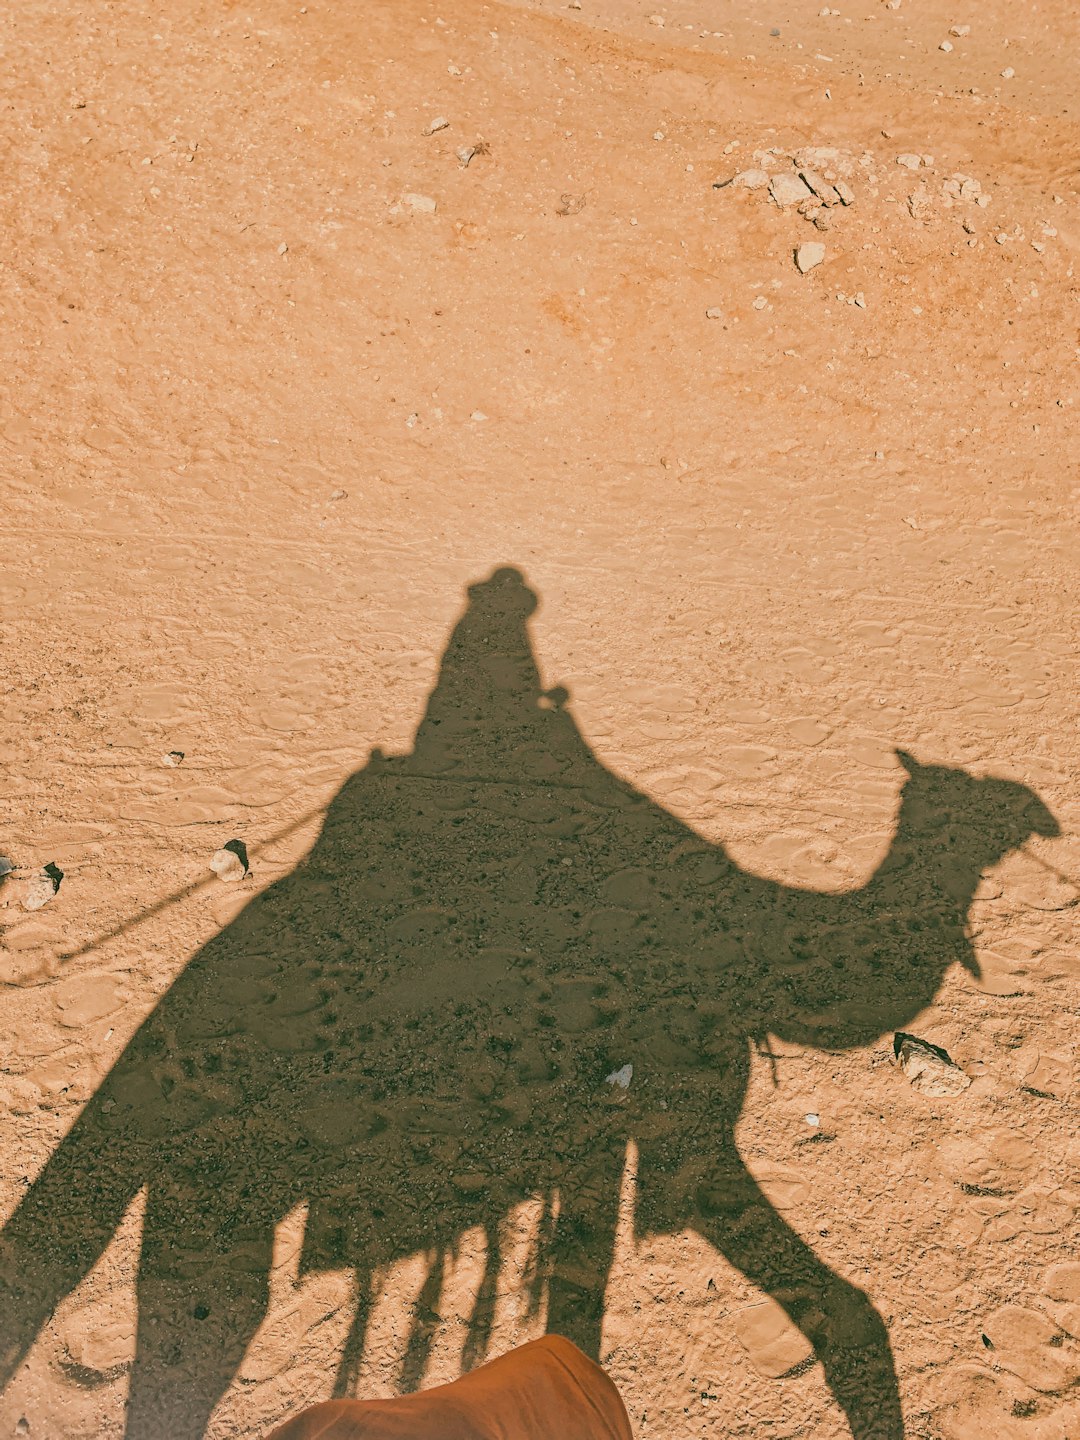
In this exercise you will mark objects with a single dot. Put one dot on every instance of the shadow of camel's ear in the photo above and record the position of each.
(910, 764)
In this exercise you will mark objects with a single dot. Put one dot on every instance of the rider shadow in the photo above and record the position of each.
(410, 1033)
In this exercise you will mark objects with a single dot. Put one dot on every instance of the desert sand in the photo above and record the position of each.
(632, 658)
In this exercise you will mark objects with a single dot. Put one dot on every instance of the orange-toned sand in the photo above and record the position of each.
(764, 749)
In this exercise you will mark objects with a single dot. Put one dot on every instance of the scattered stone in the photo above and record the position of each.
(339, 494)
(714, 313)
(825, 192)
(909, 162)
(423, 203)
(809, 254)
(570, 205)
(41, 888)
(434, 126)
(283, 248)
(813, 1118)
(960, 31)
(760, 302)
(1001, 237)
(946, 45)
(821, 219)
(657, 20)
(6, 867)
(466, 153)
(230, 862)
(22, 1426)
(788, 190)
(621, 1078)
(844, 190)
(478, 416)
(931, 1070)
(173, 758)
(751, 179)
(1008, 73)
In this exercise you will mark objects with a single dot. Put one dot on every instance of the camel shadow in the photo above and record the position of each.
(410, 1033)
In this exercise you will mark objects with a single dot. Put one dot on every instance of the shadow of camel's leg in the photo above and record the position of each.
(202, 1293)
(60, 1230)
(847, 1333)
(582, 1250)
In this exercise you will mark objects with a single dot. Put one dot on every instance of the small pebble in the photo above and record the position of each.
(751, 179)
(714, 313)
(173, 758)
(6, 867)
(465, 153)
(423, 203)
(1001, 237)
(946, 45)
(657, 20)
(909, 162)
(808, 255)
(1008, 73)
(439, 123)
(478, 416)
(339, 495)
(760, 303)
(844, 190)
(41, 888)
(960, 31)
(928, 1067)
(227, 864)
(621, 1078)
(813, 1118)
(788, 190)
(283, 248)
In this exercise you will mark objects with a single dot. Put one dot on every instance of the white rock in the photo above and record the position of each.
(751, 179)
(621, 1078)
(929, 1068)
(1008, 73)
(813, 1118)
(434, 126)
(844, 190)
(657, 20)
(809, 254)
(39, 890)
(714, 313)
(227, 865)
(423, 203)
(173, 758)
(946, 45)
(283, 248)
(787, 189)
(909, 162)
(825, 192)
(478, 416)
(465, 153)
(760, 302)
(960, 31)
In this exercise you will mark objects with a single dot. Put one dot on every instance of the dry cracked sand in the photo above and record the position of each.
(286, 370)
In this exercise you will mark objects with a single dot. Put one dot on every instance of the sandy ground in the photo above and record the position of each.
(267, 415)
